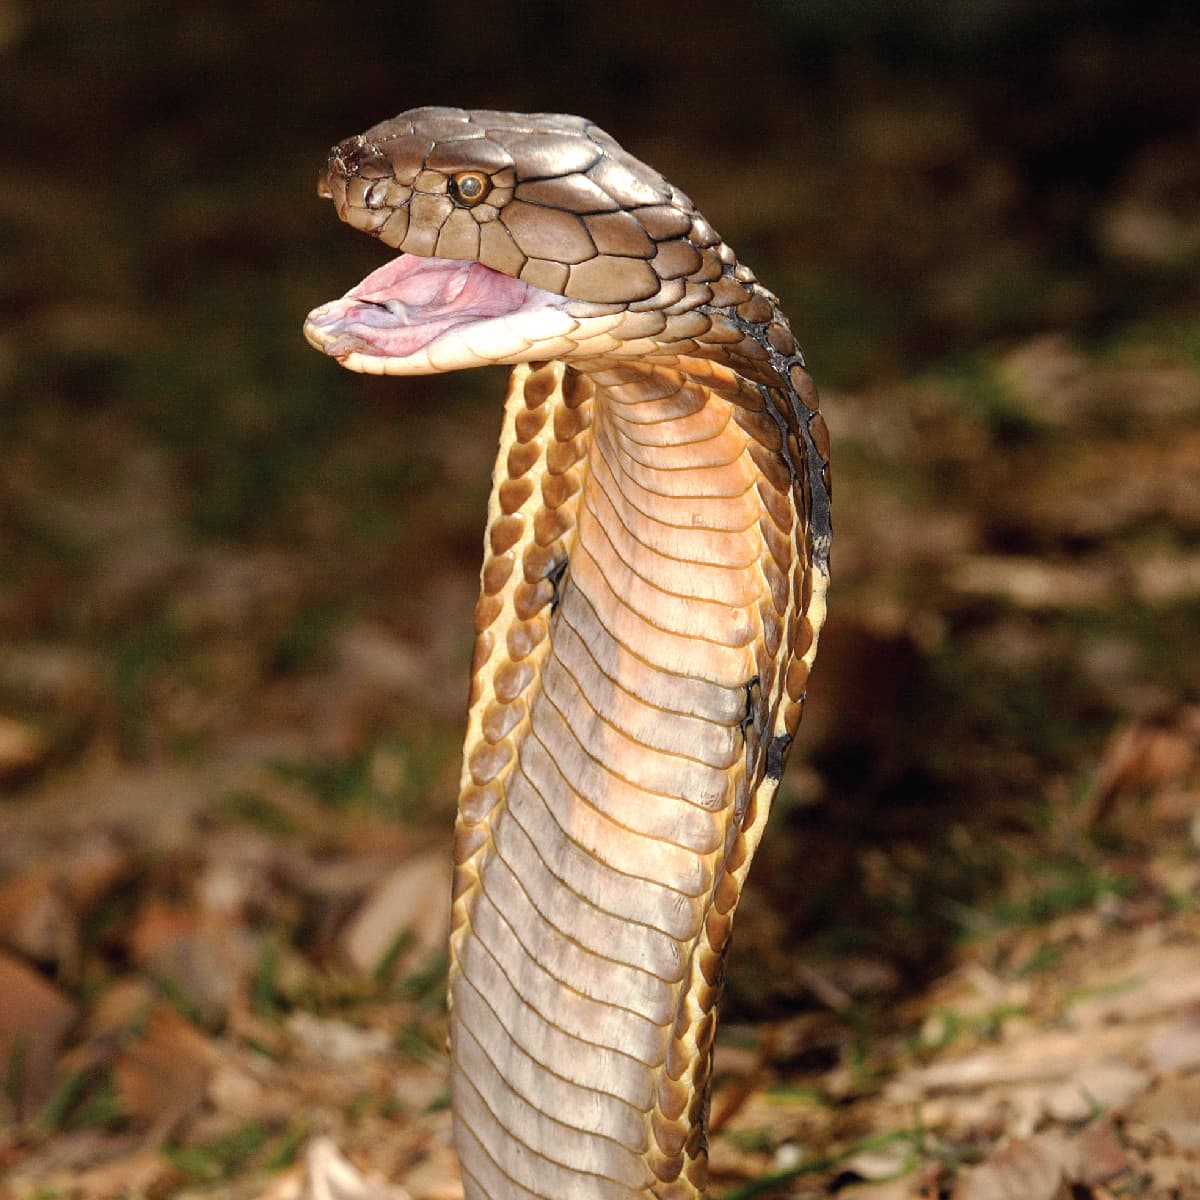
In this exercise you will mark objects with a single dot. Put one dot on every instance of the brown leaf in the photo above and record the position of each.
(892, 1189)
(1146, 754)
(1103, 1083)
(414, 898)
(1048, 377)
(1023, 1170)
(192, 955)
(41, 907)
(436, 1176)
(1032, 583)
(329, 1175)
(161, 1077)
(1101, 1155)
(1176, 1045)
(1160, 980)
(37, 921)
(143, 1173)
(22, 749)
(1042, 1168)
(34, 1018)
(337, 1041)
(1174, 1108)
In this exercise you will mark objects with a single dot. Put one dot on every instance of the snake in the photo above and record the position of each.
(654, 579)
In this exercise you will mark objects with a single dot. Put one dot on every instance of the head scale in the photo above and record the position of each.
(547, 198)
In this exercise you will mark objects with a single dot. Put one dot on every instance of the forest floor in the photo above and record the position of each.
(971, 947)
(236, 590)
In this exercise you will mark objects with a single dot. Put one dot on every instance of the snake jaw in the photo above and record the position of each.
(418, 315)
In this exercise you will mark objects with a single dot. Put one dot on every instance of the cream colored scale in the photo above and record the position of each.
(612, 778)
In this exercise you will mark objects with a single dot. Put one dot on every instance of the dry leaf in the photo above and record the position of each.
(1024, 1170)
(1101, 1156)
(37, 920)
(145, 1172)
(436, 1177)
(1146, 754)
(1159, 981)
(892, 1189)
(34, 1018)
(1044, 1167)
(882, 1163)
(335, 1040)
(329, 1175)
(195, 957)
(22, 749)
(1033, 583)
(414, 898)
(1176, 1045)
(162, 1076)
(1097, 1084)
(1173, 1107)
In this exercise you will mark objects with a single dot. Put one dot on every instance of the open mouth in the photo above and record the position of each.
(411, 302)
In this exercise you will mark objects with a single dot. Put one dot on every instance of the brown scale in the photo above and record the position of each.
(711, 951)
(531, 403)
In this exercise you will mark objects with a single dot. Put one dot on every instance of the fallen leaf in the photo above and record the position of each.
(162, 1076)
(1158, 981)
(329, 1175)
(37, 921)
(1174, 1108)
(143, 1173)
(191, 956)
(335, 1040)
(414, 898)
(34, 1018)
(882, 1163)
(436, 1177)
(1101, 1156)
(1145, 754)
(1176, 1045)
(891, 1189)
(1105, 1085)
(22, 749)
(62, 675)
(1022, 1170)
(1048, 377)
(1042, 1058)
(370, 656)
(232, 1090)
(1032, 583)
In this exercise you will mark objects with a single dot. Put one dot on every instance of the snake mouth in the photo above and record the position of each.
(416, 315)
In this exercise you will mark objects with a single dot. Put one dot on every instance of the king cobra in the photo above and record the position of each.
(655, 567)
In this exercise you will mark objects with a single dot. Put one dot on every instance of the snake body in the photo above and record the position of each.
(653, 585)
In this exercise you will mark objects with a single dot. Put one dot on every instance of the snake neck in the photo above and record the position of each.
(647, 616)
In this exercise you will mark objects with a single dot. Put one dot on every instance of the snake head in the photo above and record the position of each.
(521, 237)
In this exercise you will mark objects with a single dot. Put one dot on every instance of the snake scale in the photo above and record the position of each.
(653, 585)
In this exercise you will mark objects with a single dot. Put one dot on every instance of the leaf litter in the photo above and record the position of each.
(968, 962)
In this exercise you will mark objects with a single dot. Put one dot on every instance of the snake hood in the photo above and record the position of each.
(525, 237)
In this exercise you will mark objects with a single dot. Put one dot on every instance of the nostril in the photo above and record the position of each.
(358, 157)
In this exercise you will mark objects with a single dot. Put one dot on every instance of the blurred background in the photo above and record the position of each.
(236, 583)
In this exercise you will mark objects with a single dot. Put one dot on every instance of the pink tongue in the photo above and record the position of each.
(441, 283)
(409, 301)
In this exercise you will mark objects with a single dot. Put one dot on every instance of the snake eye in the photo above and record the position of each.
(470, 187)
